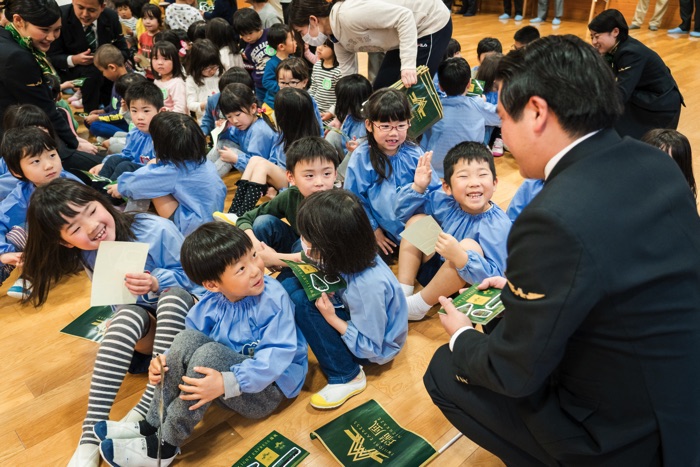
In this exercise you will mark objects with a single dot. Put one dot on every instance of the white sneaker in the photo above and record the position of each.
(497, 149)
(86, 455)
(20, 290)
(117, 430)
(335, 395)
(129, 453)
(225, 217)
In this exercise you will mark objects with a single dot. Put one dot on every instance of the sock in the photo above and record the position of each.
(167, 450)
(407, 289)
(172, 308)
(146, 429)
(417, 308)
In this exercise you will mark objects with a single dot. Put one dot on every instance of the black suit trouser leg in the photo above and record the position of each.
(489, 419)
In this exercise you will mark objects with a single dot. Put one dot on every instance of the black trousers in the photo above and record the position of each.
(431, 51)
(518, 7)
(686, 10)
(96, 90)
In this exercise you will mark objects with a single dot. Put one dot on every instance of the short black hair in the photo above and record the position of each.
(609, 20)
(489, 44)
(235, 74)
(107, 55)
(311, 148)
(42, 13)
(137, 7)
(246, 21)
(197, 30)
(338, 229)
(177, 139)
(351, 92)
(124, 82)
(144, 91)
(277, 34)
(453, 47)
(469, 151)
(580, 90)
(54, 85)
(236, 97)
(120, 3)
(453, 76)
(526, 34)
(24, 115)
(20, 143)
(209, 250)
(150, 10)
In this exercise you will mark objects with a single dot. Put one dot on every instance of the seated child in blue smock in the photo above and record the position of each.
(250, 133)
(350, 93)
(362, 324)
(213, 117)
(526, 193)
(385, 164)
(240, 347)
(68, 221)
(472, 245)
(465, 117)
(144, 100)
(32, 158)
(182, 183)
(311, 167)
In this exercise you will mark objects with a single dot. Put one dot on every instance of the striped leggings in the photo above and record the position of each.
(130, 324)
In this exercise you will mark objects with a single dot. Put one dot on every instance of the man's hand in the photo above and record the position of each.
(453, 319)
(83, 58)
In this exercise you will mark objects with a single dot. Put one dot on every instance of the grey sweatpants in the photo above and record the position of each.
(191, 349)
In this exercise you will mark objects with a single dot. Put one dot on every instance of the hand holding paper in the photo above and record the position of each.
(423, 234)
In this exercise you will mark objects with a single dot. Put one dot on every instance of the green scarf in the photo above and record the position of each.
(39, 56)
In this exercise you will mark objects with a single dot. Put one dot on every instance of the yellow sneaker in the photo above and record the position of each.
(225, 217)
(335, 395)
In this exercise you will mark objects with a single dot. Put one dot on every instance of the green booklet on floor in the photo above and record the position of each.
(315, 281)
(481, 306)
(368, 436)
(91, 325)
(273, 451)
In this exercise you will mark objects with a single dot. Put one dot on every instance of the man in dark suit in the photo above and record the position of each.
(87, 24)
(595, 361)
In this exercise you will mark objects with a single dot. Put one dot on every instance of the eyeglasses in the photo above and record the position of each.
(294, 82)
(385, 127)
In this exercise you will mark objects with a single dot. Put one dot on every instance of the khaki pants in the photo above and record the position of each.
(641, 11)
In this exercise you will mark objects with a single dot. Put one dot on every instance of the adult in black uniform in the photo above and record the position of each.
(33, 25)
(87, 24)
(595, 361)
(649, 92)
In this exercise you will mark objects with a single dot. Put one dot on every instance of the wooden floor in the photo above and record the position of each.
(46, 374)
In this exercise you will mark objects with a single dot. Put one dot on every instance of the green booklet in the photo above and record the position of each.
(273, 451)
(481, 306)
(426, 108)
(78, 82)
(98, 178)
(368, 436)
(476, 87)
(91, 325)
(315, 281)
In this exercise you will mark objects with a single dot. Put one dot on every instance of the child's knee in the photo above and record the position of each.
(471, 244)
(414, 219)
(177, 295)
(185, 344)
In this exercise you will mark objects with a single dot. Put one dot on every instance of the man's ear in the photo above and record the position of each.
(211, 286)
(540, 112)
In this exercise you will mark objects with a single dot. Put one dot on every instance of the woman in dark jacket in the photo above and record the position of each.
(649, 92)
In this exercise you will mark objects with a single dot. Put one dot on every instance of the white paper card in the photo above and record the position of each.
(114, 261)
(216, 132)
(423, 234)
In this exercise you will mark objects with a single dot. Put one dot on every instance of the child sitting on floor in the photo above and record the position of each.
(240, 347)
(472, 245)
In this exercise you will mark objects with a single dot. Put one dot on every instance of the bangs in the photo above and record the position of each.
(388, 105)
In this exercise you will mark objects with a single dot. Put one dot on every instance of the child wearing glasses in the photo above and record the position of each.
(385, 163)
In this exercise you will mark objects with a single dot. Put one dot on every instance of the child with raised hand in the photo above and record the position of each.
(32, 157)
(204, 70)
(255, 54)
(324, 77)
(68, 221)
(250, 132)
(280, 38)
(351, 92)
(182, 183)
(144, 100)
(151, 17)
(295, 119)
(311, 167)
(224, 37)
(465, 117)
(678, 147)
(361, 324)
(384, 164)
(165, 63)
(472, 245)
(240, 347)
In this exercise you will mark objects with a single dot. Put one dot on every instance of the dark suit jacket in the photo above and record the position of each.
(22, 82)
(601, 336)
(72, 40)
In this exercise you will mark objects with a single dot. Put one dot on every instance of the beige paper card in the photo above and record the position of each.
(114, 261)
(423, 234)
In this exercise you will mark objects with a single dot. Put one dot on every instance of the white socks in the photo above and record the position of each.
(417, 308)
(407, 289)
